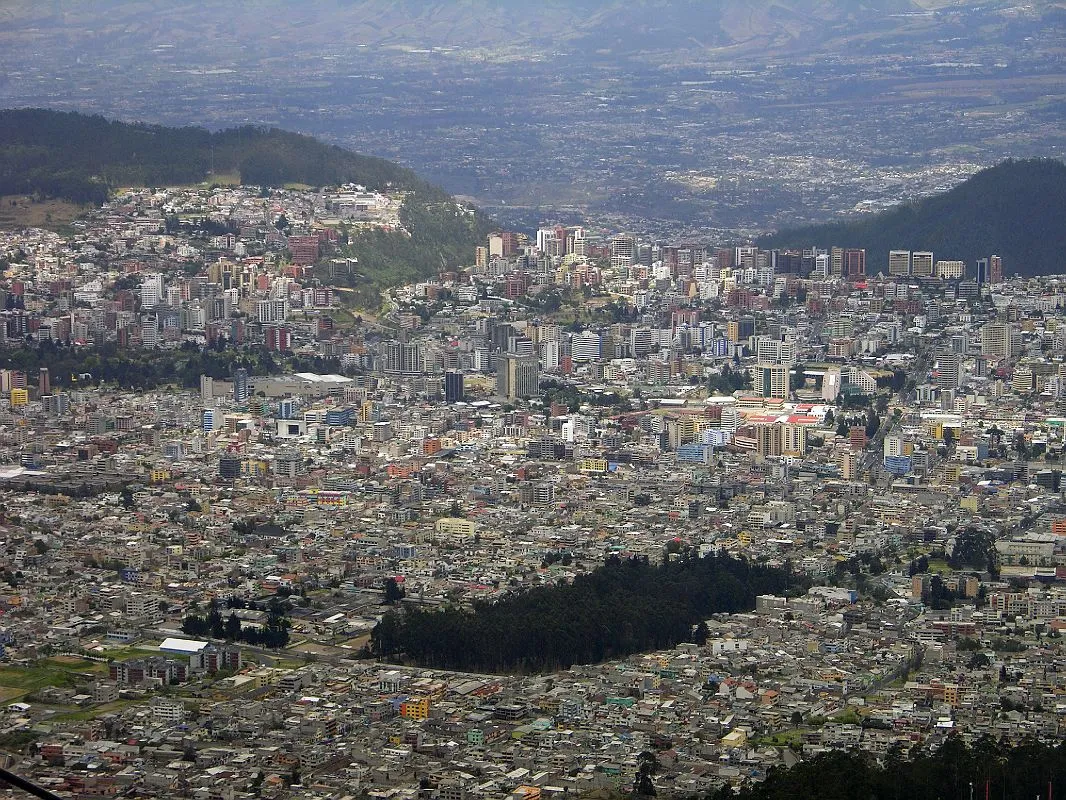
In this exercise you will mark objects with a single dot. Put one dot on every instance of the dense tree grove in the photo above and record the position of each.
(221, 625)
(999, 210)
(142, 369)
(625, 606)
(988, 768)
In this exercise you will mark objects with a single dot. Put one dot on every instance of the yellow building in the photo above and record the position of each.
(594, 465)
(455, 526)
(19, 397)
(416, 708)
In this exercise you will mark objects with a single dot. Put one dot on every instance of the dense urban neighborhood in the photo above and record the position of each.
(244, 487)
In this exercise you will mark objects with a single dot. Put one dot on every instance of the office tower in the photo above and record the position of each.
(836, 262)
(517, 376)
(44, 382)
(240, 386)
(983, 272)
(922, 264)
(454, 389)
(207, 388)
(995, 270)
(586, 346)
(771, 380)
(948, 370)
(899, 262)
(854, 263)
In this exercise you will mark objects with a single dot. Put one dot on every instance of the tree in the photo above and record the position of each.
(233, 627)
(647, 765)
(393, 591)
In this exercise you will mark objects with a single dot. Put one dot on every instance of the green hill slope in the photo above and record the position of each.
(81, 158)
(1016, 209)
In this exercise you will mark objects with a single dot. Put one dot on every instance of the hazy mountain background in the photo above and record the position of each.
(681, 119)
(490, 24)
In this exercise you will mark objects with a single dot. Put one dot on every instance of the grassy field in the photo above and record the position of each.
(783, 738)
(20, 211)
(63, 671)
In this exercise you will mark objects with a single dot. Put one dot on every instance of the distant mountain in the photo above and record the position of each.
(481, 25)
(82, 158)
(1016, 209)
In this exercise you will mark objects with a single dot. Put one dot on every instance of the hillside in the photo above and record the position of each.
(81, 158)
(1016, 209)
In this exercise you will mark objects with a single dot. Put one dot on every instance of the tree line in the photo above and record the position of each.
(625, 606)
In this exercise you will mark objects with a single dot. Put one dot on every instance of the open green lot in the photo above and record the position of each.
(17, 681)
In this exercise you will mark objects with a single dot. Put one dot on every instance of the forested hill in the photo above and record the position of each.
(1016, 209)
(80, 158)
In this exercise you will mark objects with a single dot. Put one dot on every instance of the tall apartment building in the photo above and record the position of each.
(1000, 340)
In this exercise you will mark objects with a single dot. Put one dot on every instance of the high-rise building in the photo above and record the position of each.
(623, 251)
(207, 388)
(517, 376)
(1000, 340)
(995, 269)
(44, 382)
(983, 272)
(771, 380)
(454, 389)
(586, 346)
(922, 264)
(948, 370)
(240, 386)
(854, 263)
(56, 405)
(278, 338)
(899, 262)
(836, 262)
(951, 270)
(151, 290)
(229, 467)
